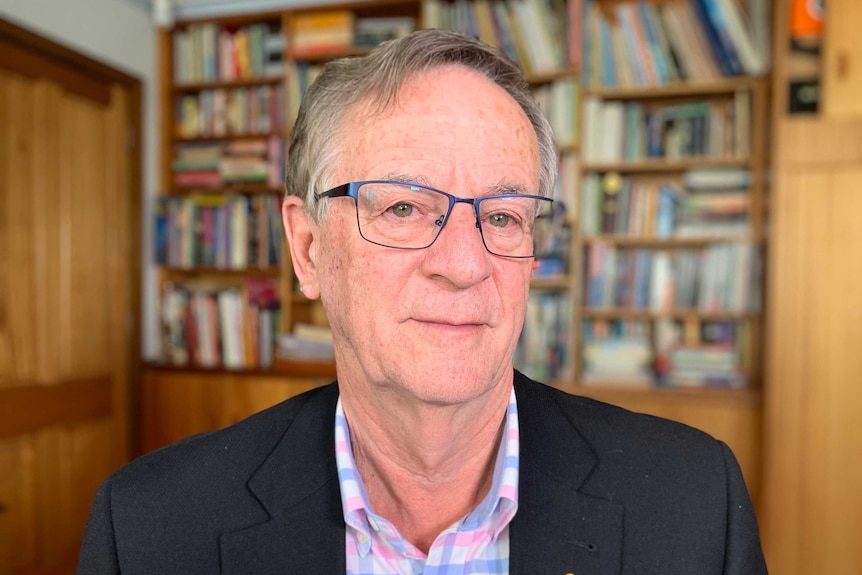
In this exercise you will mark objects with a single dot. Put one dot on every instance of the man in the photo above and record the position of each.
(414, 181)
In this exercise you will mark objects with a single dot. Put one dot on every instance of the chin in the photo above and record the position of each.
(449, 386)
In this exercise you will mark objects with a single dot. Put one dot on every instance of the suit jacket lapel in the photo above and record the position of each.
(558, 529)
(298, 486)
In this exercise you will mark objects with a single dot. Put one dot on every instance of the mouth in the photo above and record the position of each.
(450, 324)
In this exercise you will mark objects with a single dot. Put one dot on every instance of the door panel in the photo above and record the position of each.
(17, 506)
(68, 269)
(813, 472)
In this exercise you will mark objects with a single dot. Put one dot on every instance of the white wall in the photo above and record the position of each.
(119, 34)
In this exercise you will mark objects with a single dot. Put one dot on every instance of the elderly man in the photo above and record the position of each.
(415, 178)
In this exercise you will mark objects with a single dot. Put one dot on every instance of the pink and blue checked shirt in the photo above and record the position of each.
(478, 544)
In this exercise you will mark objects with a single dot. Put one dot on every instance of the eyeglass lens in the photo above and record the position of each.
(408, 216)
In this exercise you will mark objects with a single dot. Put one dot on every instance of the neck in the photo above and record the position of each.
(425, 465)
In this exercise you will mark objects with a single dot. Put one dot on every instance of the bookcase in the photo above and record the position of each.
(675, 147)
(671, 202)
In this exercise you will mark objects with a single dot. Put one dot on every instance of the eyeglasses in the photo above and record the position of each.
(409, 216)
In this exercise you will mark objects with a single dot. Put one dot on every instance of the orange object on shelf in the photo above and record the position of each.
(806, 18)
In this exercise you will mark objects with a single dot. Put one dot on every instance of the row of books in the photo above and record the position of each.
(559, 101)
(234, 112)
(322, 33)
(661, 208)
(553, 250)
(300, 75)
(208, 52)
(635, 353)
(533, 33)
(543, 349)
(642, 43)
(567, 181)
(216, 164)
(222, 231)
(629, 131)
(723, 277)
(233, 327)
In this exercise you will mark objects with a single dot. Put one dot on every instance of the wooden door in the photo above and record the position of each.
(68, 274)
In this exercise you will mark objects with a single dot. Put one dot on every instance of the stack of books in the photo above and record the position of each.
(307, 343)
(317, 34)
(705, 365)
(214, 164)
(618, 361)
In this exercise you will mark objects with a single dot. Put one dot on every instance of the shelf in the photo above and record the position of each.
(326, 56)
(279, 369)
(675, 89)
(273, 271)
(648, 314)
(568, 148)
(668, 165)
(746, 396)
(227, 84)
(547, 77)
(550, 283)
(227, 188)
(249, 136)
(672, 242)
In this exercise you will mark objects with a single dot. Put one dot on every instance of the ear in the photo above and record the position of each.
(301, 232)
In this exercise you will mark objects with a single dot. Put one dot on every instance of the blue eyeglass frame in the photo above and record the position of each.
(351, 190)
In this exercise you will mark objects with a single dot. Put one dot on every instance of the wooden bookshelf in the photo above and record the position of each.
(728, 413)
(726, 97)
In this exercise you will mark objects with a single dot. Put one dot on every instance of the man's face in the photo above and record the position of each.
(438, 324)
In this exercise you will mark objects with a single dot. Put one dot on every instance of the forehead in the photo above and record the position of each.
(445, 124)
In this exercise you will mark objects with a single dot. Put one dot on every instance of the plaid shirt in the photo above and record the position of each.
(478, 544)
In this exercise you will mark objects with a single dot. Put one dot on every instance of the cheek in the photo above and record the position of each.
(353, 282)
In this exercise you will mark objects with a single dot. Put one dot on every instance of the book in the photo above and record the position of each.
(716, 30)
(321, 32)
(750, 56)
(717, 178)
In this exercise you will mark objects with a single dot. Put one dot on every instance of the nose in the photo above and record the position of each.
(458, 254)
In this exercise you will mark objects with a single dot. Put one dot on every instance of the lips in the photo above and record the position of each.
(452, 323)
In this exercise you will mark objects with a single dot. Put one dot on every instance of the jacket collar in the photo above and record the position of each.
(298, 486)
(558, 529)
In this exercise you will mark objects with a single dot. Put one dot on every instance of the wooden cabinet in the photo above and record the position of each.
(812, 504)
(176, 404)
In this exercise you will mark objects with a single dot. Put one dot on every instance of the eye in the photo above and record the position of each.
(402, 210)
(499, 220)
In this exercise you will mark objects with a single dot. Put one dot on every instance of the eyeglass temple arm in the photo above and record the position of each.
(336, 192)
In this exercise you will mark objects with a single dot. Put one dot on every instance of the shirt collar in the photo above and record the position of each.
(496, 509)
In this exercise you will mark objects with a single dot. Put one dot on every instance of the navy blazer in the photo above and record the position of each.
(602, 491)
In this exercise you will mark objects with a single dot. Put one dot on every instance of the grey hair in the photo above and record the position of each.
(347, 83)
